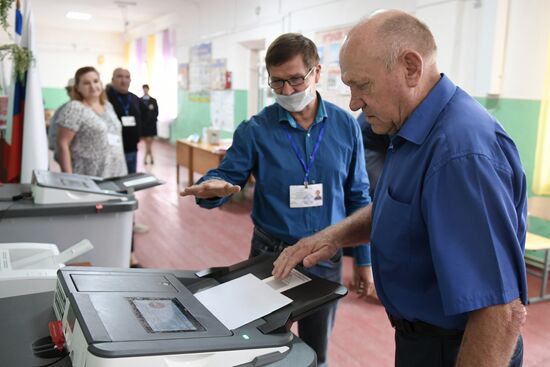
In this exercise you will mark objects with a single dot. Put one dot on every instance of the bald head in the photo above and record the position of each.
(388, 61)
(387, 33)
(121, 80)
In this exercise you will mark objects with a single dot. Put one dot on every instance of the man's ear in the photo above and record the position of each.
(317, 73)
(413, 66)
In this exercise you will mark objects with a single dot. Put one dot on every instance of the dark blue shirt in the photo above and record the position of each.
(449, 213)
(261, 147)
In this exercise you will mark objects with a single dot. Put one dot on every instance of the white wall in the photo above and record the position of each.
(61, 53)
(464, 30)
(227, 23)
(527, 51)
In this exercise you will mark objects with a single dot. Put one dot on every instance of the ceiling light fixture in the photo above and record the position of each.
(123, 5)
(78, 15)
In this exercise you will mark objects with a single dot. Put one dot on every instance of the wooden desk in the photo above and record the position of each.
(197, 157)
(539, 206)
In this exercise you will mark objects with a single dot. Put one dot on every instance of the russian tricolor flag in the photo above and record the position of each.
(24, 147)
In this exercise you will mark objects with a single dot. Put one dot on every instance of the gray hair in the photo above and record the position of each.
(404, 31)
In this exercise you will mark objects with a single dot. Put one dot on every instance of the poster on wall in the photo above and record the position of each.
(201, 53)
(183, 76)
(333, 57)
(321, 52)
(328, 46)
(222, 107)
(331, 85)
(199, 72)
(217, 74)
(199, 80)
(334, 83)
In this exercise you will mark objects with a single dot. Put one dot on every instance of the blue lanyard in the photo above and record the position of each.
(302, 161)
(125, 106)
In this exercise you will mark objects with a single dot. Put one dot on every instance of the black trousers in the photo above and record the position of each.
(414, 349)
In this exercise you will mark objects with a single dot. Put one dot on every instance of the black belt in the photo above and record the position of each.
(270, 242)
(420, 327)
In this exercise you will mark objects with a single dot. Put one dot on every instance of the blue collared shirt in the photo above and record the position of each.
(449, 213)
(261, 147)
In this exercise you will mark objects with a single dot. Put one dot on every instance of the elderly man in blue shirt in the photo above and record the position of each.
(447, 226)
(306, 155)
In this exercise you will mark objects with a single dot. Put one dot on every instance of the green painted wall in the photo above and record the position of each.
(194, 116)
(520, 118)
(54, 97)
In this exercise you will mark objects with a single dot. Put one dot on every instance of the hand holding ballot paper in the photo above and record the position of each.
(245, 299)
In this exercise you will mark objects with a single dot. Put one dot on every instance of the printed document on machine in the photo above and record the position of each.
(242, 300)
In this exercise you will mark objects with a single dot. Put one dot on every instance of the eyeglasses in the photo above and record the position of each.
(294, 81)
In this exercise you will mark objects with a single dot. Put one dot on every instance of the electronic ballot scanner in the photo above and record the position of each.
(27, 268)
(149, 317)
(58, 187)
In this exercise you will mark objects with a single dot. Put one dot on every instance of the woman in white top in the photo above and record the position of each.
(89, 138)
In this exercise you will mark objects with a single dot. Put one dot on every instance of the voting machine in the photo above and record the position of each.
(150, 317)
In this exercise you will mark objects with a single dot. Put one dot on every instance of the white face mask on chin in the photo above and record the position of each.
(295, 102)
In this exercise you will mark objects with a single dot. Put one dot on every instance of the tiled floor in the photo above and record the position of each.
(184, 236)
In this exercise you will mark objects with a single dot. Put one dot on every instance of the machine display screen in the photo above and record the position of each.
(164, 315)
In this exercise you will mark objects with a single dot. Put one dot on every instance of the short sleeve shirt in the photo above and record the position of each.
(449, 213)
(96, 149)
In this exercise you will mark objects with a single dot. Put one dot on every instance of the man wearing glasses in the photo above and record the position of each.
(307, 157)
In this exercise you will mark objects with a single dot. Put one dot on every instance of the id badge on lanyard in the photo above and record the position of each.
(306, 195)
(128, 121)
(302, 196)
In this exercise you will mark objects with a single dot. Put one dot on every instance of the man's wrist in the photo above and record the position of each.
(362, 264)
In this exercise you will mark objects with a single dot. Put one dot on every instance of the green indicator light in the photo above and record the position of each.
(246, 337)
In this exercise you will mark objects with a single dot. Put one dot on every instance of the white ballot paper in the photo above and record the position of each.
(294, 279)
(242, 300)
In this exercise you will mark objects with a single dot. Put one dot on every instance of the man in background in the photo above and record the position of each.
(128, 110)
(150, 110)
(376, 147)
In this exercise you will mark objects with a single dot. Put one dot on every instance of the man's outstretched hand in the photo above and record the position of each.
(211, 189)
